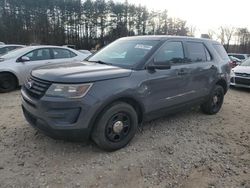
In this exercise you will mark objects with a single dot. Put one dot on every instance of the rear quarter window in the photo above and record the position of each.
(198, 52)
(221, 51)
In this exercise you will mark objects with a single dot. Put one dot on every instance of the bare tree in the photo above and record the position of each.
(211, 34)
(229, 32)
(221, 35)
(192, 31)
(84, 23)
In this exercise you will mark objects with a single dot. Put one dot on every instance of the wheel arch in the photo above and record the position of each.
(13, 74)
(224, 84)
(126, 99)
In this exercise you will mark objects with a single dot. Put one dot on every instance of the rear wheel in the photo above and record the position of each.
(8, 82)
(215, 101)
(116, 127)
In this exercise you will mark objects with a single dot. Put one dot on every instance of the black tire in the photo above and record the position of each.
(8, 82)
(106, 131)
(214, 103)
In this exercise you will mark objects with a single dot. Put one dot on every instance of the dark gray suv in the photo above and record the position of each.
(132, 80)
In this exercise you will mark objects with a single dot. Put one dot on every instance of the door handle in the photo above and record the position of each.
(182, 72)
(213, 67)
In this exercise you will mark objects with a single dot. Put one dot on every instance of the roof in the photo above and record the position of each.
(236, 54)
(6, 45)
(44, 46)
(165, 37)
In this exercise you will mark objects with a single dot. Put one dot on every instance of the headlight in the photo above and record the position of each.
(68, 90)
(232, 74)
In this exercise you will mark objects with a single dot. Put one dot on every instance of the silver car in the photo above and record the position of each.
(16, 65)
(240, 75)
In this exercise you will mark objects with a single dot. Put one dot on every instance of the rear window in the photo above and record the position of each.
(221, 51)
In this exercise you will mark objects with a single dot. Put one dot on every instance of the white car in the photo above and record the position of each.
(240, 75)
(88, 53)
(242, 57)
(15, 66)
(4, 49)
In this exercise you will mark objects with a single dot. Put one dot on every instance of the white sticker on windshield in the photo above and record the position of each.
(142, 46)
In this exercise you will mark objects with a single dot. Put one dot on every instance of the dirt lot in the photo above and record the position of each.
(189, 149)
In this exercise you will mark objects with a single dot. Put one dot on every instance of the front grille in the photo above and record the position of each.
(36, 87)
(242, 74)
(232, 80)
(242, 81)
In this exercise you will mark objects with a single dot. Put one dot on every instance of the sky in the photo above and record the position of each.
(204, 15)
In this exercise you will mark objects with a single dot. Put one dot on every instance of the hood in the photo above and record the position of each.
(79, 72)
(242, 69)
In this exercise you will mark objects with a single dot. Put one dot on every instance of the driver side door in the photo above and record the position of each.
(37, 58)
(168, 88)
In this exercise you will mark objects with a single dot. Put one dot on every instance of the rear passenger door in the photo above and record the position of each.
(61, 55)
(202, 68)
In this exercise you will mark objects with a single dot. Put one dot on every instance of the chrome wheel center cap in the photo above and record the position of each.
(215, 99)
(118, 127)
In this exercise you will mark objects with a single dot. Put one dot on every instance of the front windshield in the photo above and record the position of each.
(14, 53)
(246, 63)
(124, 52)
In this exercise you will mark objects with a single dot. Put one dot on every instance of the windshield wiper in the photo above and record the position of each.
(101, 62)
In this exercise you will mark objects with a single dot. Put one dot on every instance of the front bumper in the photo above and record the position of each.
(60, 118)
(238, 81)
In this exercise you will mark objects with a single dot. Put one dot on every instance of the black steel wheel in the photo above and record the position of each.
(118, 127)
(115, 127)
(215, 101)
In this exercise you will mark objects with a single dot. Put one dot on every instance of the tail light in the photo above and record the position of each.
(232, 64)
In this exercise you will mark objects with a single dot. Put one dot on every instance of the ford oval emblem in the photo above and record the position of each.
(29, 84)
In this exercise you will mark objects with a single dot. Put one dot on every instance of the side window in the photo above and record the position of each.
(3, 50)
(62, 53)
(39, 55)
(197, 52)
(12, 48)
(72, 54)
(171, 52)
(209, 58)
(242, 57)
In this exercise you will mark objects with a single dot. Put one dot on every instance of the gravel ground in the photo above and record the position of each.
(189, 149)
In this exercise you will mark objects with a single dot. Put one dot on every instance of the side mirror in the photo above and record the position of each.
(161, 65)
(24, 59)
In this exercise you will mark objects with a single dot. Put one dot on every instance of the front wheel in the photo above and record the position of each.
(8, 82)
(215, 101)
(116, 126)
